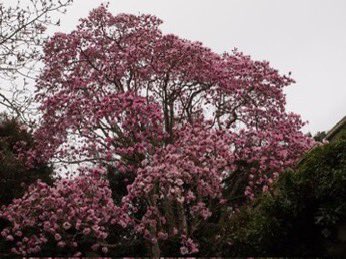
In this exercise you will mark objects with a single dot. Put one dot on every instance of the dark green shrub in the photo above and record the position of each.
(304, 215)
(14, 175)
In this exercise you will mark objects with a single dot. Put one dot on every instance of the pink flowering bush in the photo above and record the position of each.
(183, 127)
(68, 215)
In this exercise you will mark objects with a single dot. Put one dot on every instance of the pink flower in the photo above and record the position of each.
(184, 250)
(61, 244)
(66, 225)
(86, 231)
(15, 250)
(77, 254)
(9, 238)
(19, 233)
(57, 237)
(162, 235)
(78, 224)
(94, 247)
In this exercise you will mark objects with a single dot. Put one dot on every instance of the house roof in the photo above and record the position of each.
(330, 134)
(336, 129)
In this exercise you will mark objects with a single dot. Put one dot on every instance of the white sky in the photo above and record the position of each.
(306, 37)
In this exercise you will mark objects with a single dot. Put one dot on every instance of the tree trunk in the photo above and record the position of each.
(155, 250)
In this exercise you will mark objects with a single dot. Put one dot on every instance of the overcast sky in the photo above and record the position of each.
(306, 37)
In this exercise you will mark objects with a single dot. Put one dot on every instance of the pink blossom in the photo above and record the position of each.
(57, 237)
(184, 250)
(9, 238)
(94, 247)
(66, 225)
(78, 254)
(86, 231)
(61, 244)
(19, 233)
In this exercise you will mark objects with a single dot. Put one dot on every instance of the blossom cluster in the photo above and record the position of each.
(179, 182)
(66, 215)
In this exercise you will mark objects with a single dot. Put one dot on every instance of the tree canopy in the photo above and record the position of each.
(187, 131)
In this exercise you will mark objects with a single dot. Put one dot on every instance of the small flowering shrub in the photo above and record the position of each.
(67, 215)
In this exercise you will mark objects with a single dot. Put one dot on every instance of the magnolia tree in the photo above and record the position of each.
(178, 121)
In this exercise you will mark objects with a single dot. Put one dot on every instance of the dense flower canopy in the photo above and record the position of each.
(64, 214)
(171, 114)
